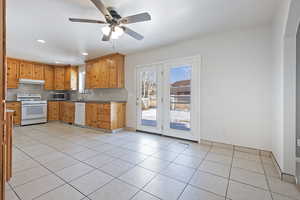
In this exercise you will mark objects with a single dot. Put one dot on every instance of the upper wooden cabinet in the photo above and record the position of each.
(38, 71)
(26, 70)
(71, 77)
(56, 77)
(59, 78)
(105, 72)
(12, 73)
(49, 77)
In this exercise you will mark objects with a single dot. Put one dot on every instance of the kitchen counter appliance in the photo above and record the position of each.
(33, 109)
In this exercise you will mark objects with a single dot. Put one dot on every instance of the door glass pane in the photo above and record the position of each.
(148, 99)
(180, 98)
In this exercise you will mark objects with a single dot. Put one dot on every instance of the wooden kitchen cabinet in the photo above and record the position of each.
(92, 114)
(38, 71)
(59, 78)
(49, 77)
(67, 112)
(71, 78)
(109, 116)
(53, 110)
(8, 145)
(26, 70)
(16, 106)
(12, 73)
(105, 72)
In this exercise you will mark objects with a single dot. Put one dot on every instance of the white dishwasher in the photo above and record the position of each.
(80, 113)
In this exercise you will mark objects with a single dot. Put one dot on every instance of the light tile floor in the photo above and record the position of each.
(56, 161)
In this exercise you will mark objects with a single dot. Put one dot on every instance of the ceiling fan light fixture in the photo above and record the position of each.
(118, 31)
(106, 30)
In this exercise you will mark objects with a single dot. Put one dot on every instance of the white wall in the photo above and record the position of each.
(236, 84)
(279, 26)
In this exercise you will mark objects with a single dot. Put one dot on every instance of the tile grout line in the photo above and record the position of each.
(266, 177)
(119, 158)
(14, 191)
(65, 182)
(231, 164)
(79, 161)
(195, 172)
(156, 174)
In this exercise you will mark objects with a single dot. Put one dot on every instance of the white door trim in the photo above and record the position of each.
(196, 61)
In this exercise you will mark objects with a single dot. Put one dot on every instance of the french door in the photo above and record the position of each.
(167, 97)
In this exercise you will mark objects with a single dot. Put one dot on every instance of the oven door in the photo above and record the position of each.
(34, 111)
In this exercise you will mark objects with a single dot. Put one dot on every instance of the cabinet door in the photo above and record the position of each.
(12, 73)
(88, 74)
(120, 71)
(70, 112)
(53, 110)
(38, 72)
(67, 78)
(104, 73)
(26, 70)
(95, 76)
(49, 77)
(16, 106)
(59, 78)
(74, 78)
(89, 114)
(71, 76)
(113, 74)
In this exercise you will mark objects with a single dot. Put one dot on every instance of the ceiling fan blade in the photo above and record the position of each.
(132, 33)
(136, 18)
(107, 37)
(102, 8)
(87, 20)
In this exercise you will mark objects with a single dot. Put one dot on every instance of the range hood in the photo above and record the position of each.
(31, 81)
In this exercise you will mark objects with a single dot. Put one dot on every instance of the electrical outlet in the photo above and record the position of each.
(298, 142)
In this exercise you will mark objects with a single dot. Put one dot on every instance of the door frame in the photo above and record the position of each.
(196, 62)
(155, 68)
(192, 134)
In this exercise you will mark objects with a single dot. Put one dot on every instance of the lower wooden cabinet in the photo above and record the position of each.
(16, 106)
(53, 110)
(110, 116)
(8, 145)
(67, 112)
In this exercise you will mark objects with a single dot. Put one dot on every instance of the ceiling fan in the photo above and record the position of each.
(115, 23)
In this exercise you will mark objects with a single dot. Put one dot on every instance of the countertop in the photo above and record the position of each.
(10, 100)
(91, 101)
(85, 101)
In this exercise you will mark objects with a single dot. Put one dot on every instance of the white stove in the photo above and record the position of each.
(34, 109)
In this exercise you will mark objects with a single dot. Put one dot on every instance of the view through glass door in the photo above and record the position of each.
(167, 98)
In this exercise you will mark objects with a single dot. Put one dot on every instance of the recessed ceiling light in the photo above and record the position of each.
(41, 41)
(85, 54)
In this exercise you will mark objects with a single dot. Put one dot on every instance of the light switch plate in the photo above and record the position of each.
(298, 142)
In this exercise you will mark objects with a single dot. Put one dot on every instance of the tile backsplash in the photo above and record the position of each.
(25, 89)
(91, 94)
(106, 94)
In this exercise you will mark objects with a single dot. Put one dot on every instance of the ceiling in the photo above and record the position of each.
(172, 21)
